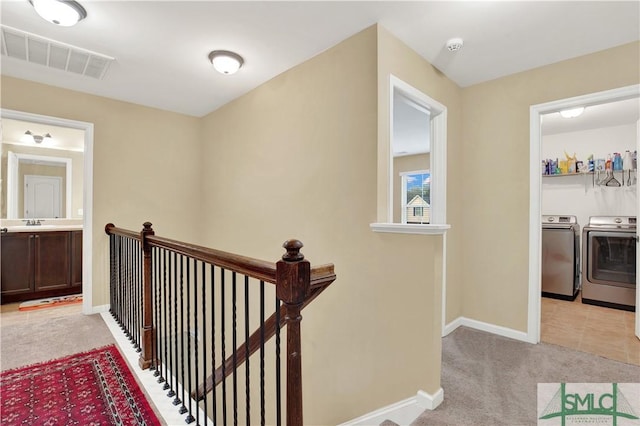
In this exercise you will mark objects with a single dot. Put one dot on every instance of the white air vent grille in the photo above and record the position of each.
(43, 51)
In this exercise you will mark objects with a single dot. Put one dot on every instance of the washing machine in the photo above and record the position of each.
(560, 257)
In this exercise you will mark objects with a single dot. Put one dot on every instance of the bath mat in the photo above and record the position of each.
(50, 302)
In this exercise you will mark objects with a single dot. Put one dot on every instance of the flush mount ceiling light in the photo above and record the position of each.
(226, 62)
(37, 138)
(60, 12)
(572, 113)
(455, 44)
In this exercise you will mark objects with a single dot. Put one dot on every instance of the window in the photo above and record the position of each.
(416, 196)
(417, 142)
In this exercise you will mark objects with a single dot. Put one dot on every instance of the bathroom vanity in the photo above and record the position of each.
(40, 261)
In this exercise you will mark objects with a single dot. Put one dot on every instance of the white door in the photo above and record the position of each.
(42, 196)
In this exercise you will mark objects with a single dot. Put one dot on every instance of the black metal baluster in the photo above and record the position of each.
(278, 373)
(155, 292)
(129, 291)
(204, 341)
(213, 342)
(262, 402)
(183, 409)
(118, 269)
(246, 352)
(140, 299)
(136, 296)
(222, 348)
(235, 347)
(190, 418)
(171, 377)
(112, 276)
(161, 274)
(176, 400)
(165, 326)
(195, 341)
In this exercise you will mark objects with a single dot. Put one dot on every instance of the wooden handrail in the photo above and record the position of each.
(111, 229)
(255, 268)
(322, 276)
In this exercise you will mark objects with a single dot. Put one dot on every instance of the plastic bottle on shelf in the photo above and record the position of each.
(617, 161)
(627, 163)
(607, 164)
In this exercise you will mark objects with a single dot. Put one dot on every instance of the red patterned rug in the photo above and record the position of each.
(91, 388)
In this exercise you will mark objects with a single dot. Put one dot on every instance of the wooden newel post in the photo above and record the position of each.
(147, 334)
(293, 275)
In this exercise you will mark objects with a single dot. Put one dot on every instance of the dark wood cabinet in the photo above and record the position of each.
(40, 264)
(17, 264)
(76, 258)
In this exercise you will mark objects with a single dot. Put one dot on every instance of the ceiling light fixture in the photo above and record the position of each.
(38, 138)
(572, 113)
(226, 62)
(455, 44)
(65, 13)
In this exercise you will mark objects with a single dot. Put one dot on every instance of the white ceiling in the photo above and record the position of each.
(161, 47)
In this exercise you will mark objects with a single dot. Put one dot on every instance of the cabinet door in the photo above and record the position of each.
(17, 261)
(52, 265)
(76, 258)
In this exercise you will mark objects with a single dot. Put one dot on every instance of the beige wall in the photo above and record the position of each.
(302, 148)
(394, 57)
(146, 164)
(495, 169)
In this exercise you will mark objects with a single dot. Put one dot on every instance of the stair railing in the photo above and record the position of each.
(172, 300)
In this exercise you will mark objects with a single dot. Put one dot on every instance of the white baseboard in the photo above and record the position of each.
(99, 309)
(490, 328)
(403, 412)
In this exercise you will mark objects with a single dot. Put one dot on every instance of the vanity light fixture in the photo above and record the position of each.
(226, 62)
(65, 13)
(38, 138)
(572, 113)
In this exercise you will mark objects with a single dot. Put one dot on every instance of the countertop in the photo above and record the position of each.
(42, 228)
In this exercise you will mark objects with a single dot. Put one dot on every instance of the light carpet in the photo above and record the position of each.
(489, 380)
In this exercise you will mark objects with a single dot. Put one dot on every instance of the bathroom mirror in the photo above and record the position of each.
(41, 180)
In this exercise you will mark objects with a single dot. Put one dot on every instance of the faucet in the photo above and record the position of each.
(33, 222)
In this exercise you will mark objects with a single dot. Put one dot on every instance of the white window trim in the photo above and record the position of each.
(438, 165)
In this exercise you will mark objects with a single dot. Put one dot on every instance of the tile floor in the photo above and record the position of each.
(594, 329)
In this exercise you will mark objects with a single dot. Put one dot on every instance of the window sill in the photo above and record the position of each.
(404, 228)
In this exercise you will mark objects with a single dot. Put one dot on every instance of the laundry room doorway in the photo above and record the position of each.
(537, 114)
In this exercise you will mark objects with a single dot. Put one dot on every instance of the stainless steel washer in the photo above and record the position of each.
(609, 262)
(560, 257)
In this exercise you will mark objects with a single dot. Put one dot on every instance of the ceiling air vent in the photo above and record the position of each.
(43, 51)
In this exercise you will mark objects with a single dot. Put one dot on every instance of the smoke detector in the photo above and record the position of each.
(454, 44)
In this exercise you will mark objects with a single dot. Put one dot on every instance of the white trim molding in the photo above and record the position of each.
(535, 185)
(409, 228)
(402, 412)
(489, 328)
